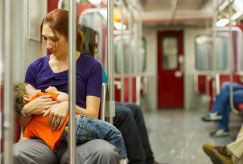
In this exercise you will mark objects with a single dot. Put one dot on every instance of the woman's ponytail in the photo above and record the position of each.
(80, 41)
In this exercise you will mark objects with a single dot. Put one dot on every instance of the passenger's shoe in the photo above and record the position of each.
(212, 116)
(218, 154)
(220, 133)
(207, 148)
(218, 158)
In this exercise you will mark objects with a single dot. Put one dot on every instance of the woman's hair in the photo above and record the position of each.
(57, 20)
(19, 92)
(89, 39)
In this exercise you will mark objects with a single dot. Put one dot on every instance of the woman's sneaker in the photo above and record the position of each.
(212, 116)
(220, 133)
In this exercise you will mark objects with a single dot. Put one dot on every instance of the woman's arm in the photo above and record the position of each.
(59, 111)
(92, 107)
(37, 107)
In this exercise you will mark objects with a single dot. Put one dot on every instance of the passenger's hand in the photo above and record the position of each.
(58, 115)
(38, 105)
(51, 89)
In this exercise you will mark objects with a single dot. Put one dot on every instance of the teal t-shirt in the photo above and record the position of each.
(104, 77)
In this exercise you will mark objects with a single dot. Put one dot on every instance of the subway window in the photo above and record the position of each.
(204, 52)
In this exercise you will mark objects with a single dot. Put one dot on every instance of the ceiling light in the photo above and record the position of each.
(236, 15)
(222, 22)
(221, 7)
(238, 4)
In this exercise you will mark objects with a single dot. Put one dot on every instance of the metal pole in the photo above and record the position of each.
(72, 80)
(231, 58)
(110, 58)
(214, 61)
(139, 70)
(131, 33)
(8, 86)
(122, 53)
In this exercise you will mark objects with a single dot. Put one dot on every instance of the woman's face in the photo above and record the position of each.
(96, 44)
(55, 43)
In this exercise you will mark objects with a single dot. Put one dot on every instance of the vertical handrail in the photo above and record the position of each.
(110, 58)
(138, 79)
(130, 28)
(231, 54)
(214, 34)
(8, 86)
(72, 80)
(122, 53)
(103, 101)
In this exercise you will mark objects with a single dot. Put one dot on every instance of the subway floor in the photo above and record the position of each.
(177, 136)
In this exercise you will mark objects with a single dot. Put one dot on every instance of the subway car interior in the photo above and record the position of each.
(173, 58)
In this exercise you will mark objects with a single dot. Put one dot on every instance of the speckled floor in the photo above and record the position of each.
(177, 136)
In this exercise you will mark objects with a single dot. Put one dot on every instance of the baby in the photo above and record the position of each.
(86, 128)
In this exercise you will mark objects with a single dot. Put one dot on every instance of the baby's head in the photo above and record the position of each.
(23, 93)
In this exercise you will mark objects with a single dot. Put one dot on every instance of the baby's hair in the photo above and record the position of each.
(19, 92)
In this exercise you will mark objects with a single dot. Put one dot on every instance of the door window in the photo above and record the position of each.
(169, 52)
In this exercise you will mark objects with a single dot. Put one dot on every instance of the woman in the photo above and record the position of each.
(52, 71)
(128, 117)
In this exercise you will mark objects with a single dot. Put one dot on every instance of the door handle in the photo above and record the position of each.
(178, 74)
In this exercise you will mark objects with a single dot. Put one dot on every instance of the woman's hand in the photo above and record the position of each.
(38, 105)
(58, 115)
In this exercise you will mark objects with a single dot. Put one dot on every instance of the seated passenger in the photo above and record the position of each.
(128, 116)
(86, 128)
(52, 70)
(221, 108)
(229, 154)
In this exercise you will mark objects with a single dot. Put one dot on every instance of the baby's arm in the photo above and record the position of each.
(62, 96)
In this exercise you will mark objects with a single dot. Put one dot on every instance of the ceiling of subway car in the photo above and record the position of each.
(178, 12)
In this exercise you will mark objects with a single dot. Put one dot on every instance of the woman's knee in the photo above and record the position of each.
(103, 151)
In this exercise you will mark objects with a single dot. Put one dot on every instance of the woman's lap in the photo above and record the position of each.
(33, 151)
(93, 152)
(36, 151)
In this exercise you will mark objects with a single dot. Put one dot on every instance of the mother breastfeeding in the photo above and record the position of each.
(53, 71)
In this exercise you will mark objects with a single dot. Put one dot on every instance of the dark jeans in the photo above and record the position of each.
(129, 120)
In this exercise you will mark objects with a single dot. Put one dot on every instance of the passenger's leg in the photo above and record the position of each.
(224, 123)
(138, 115)
(238, 98)
(223, 97)
(33, 151)
(92, 152)
(124, 121)
(222, 100)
